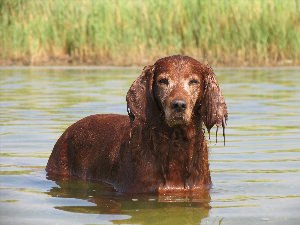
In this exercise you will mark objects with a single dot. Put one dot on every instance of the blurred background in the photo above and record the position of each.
(137, 32)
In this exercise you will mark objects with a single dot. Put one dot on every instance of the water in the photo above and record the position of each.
(256, 176)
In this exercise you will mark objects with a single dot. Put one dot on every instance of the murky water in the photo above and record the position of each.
(256, 176)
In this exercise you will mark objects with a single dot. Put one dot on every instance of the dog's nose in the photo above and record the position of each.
(178, 105)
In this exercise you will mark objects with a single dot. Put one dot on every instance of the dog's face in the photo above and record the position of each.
(177, 87)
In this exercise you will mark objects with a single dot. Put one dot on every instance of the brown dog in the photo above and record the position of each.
(161, 146)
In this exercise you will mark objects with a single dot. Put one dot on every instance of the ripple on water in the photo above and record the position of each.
(256, 176)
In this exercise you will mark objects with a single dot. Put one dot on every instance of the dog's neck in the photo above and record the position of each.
(179, 151)
(176, 154)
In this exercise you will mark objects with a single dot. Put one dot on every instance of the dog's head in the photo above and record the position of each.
(175, 89)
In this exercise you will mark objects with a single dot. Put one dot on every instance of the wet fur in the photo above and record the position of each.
(155, 149)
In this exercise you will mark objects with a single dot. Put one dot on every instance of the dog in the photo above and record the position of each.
(160, 146)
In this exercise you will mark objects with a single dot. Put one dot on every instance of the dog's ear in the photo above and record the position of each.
(140, 95)
(213, 106)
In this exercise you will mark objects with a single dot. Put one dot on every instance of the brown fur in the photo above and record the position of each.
(160, 147)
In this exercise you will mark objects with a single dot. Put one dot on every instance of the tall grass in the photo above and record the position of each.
(122, 32)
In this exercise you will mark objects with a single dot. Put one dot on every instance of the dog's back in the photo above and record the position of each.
(89, 148)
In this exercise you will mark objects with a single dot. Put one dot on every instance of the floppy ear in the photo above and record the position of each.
(140, 96)
(213, 106)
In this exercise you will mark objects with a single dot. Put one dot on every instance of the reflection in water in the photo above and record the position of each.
(143, 209)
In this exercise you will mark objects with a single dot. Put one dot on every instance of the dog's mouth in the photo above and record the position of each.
(177, 119)
(177, 116)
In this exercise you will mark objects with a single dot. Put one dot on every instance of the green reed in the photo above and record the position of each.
(122, 32)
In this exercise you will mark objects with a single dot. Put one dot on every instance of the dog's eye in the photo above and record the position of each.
(193, 81)
(163, 81)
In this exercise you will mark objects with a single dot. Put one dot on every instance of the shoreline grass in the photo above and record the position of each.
(120, 32)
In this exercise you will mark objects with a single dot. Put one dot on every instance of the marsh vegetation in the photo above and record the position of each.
(233, 32)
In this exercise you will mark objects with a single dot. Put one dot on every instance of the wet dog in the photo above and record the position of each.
(160, 146)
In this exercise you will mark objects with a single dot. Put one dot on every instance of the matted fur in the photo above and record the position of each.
(160, 146)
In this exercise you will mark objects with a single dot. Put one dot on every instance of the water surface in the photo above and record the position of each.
(256, 176)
